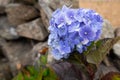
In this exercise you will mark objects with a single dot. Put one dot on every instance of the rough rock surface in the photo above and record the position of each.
(16, 50)
(108, 30)
(117, 31)
(23, 33)
(45, 12)
(116, 47)
(2, 9)
(38, 48)
(44, 18)
(4, 2)
(19, 13)
(7, 31)
(5, 71)
(102, 70)
(34, 30)
(18, 53)
(54, 4)
(29, 2)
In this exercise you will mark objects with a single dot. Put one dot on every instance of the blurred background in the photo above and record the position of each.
(24, 30)
(109, 9)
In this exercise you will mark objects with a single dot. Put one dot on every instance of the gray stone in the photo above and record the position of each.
(7, 31)
(31, 2)
(116, 47)
(34, 30)
(19, 13)
(45, 11)
(38, 48)
(17, 51)
(117, 31)
(2, 9)
(5, 73)
(102, 70)
(54, 4)
(108, 30)
(4, 2)
(44, 18)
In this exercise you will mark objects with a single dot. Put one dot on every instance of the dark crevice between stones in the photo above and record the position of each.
(5, 73)
(112, 55)
(33, 19)
(26, 2)
(4, 14)
(3, 58)
(24, 40)
(114, 59)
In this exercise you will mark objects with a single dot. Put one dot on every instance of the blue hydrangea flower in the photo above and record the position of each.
(60, 20)
(62, 31)
(70, 16)
(64, 47)
(79, 48)
(73, 29)
(79, 15)
(57, 54)
(87, 33)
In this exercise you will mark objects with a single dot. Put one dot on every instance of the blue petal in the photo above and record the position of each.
(56, 13)
(70, 16)
(64, 47)
(74, 27)
(87, 33)
(79, 15)
(62, 31)
(56, 54)
(64, 8)
(60, 19)
(79, 48)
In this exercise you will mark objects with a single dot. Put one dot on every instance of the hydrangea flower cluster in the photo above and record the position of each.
(73, 29)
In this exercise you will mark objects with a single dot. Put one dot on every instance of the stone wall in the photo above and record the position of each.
(24, 32)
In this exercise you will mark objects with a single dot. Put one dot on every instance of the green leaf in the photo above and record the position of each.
(19, 77)
(46, 72)
(96, 56)
(49, 74)
(111, 76)
(43, 59)
(40, 74)
(42, 66)
(29, 78)
(31, 69)
(89, 48)
(116, 78)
